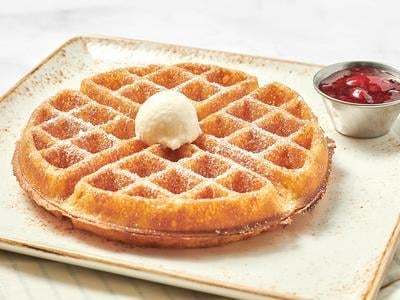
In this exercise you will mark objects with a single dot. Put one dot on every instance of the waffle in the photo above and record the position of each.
(262, 158)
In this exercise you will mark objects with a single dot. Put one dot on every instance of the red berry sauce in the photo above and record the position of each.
(364, 85)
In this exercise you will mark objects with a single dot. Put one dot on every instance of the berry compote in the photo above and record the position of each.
(363, 85)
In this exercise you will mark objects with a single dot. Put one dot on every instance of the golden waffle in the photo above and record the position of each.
(261, 158)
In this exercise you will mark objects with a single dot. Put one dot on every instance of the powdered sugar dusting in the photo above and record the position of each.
(215, 92)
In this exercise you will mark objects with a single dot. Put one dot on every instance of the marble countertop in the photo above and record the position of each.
(311, 31)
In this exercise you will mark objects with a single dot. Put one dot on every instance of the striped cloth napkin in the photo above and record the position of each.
(24, 277)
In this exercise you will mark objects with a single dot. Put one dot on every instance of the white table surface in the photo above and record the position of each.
(309, 30)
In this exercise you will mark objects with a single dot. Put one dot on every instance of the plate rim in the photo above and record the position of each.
(36, 249)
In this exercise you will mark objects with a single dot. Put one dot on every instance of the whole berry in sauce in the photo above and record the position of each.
(363, 85)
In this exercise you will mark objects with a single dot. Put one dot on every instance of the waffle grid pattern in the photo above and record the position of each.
(248, 139)
(78, 130)
(269, 131)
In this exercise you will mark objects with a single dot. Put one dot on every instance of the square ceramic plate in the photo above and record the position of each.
(340, 251)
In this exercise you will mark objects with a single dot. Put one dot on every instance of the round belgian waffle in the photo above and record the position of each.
(261, 159)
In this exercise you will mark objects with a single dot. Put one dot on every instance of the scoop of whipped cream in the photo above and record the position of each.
(167, 118)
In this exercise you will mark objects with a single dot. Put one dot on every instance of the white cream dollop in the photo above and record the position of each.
(167, 118)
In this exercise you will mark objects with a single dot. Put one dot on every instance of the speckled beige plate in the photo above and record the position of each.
(340, 251)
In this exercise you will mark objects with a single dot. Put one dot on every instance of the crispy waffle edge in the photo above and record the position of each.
(161, 239)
